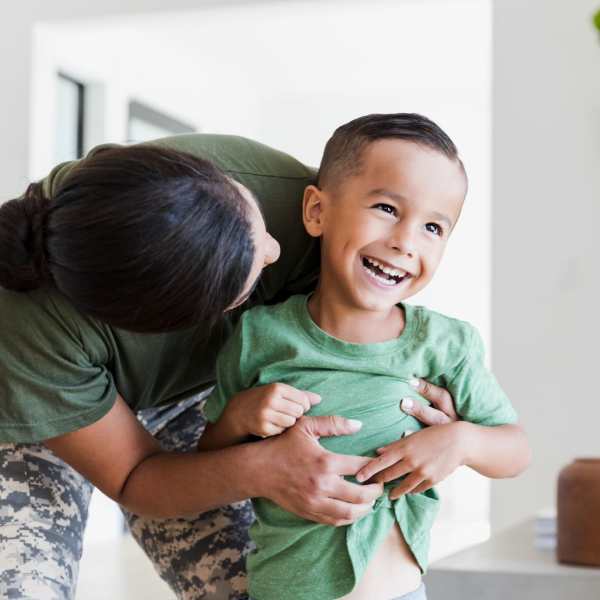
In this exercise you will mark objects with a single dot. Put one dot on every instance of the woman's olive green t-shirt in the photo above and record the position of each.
(61, 370)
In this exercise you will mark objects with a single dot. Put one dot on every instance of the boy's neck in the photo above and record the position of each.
(354, 325)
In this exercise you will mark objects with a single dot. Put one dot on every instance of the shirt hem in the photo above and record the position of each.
(20, 433)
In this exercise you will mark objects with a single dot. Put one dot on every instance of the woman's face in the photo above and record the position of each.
(266, 247)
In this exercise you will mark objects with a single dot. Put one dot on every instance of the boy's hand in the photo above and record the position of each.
(426, 457)
(268, 409)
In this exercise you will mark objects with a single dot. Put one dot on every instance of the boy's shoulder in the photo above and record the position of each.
(442, 331)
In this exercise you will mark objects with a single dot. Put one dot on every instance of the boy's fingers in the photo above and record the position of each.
(271, 429)
(406, 487)
(313, 398)
(305, 399)
(328, 426)
(377, 464)
(438, 396)
(295, 409)
(394, 472)
(422, 487)
(281, 419)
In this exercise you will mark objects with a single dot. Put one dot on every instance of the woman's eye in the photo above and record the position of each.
(388, 208)
(435, 229)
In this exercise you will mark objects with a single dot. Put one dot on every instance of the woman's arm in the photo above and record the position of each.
(124, 461)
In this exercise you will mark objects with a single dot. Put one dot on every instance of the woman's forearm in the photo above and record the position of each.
(169, 484)
(497, 452)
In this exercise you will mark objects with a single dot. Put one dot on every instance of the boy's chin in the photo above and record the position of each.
(379, 304)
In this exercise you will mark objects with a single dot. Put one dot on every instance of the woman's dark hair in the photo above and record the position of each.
(343, 152)
(144, 238)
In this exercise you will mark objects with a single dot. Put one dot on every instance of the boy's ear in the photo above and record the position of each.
(312, 211)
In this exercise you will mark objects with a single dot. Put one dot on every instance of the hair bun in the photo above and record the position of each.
(23, 263)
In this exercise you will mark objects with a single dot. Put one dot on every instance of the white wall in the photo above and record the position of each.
(546, 213)
(286, 74)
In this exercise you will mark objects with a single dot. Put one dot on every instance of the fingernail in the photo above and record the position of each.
(406, 404)
(414, 382)
(317, 398)
(360, 477)
(355, 424)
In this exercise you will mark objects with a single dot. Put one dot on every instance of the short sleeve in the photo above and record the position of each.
(53, 375)
(229, 372)
(476, 392)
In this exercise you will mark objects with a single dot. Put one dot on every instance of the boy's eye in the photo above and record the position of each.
(435, 229)
(388, 208)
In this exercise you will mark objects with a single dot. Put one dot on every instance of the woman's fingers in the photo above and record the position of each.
(331, 511)
(355, 494)
(426, 414)
(438, 396)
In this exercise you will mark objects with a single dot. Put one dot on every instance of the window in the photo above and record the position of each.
(146, 123)
(70, 114)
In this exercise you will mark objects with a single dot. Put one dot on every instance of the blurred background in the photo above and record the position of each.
(517, 87)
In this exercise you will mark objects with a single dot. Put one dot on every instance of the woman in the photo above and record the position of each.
(123, 275)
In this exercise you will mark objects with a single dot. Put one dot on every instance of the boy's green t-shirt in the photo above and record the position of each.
(60, 370)
(296, 559)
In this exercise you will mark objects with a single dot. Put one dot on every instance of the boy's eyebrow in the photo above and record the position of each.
(399, 198)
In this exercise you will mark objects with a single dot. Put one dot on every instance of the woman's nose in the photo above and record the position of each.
(273, 250)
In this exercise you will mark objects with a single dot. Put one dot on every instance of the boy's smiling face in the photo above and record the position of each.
(384, 230)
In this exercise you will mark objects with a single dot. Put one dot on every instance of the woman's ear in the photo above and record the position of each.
(312, 211)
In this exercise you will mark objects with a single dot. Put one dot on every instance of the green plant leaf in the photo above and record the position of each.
(597, 20)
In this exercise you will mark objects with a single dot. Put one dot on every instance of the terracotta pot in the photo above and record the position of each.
(578, 513)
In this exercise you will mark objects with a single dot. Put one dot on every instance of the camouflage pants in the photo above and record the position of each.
(43, 512)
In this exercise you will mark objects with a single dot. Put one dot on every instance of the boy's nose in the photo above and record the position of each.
(403, 240)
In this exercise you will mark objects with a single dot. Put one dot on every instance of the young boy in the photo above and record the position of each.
(390, 190)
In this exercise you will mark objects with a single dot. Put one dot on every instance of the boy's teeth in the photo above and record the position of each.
(386, 270)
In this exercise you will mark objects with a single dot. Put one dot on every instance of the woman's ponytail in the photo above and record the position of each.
(23, 265)
(144, 238)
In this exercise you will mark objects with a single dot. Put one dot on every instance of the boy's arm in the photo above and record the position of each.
(262, 411)
(497, 452)
(488, 439)
(486, 448)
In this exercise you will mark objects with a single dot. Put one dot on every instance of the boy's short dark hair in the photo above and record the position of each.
(343, 151)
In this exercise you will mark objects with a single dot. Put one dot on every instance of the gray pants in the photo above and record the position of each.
(43, 512)
(418, 594)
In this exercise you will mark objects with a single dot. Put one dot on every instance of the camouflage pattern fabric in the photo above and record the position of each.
(43, 511)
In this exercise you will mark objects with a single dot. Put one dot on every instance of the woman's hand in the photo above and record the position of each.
(442, 409)
(267, 410)
(299, 475)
